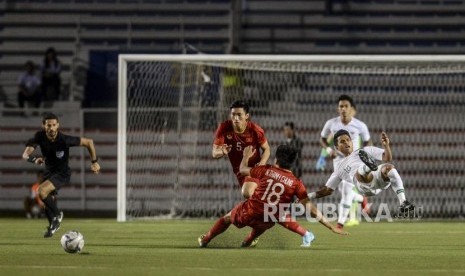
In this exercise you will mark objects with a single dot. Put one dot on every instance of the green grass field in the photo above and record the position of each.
(169, 247)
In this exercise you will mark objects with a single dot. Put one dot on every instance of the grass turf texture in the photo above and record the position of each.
(169, 247)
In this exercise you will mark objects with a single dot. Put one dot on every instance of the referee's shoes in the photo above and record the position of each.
(54, 226)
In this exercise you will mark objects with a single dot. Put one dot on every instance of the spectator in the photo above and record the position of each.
(29, 87)
(295, 142)
(33, 206)
(51, 81)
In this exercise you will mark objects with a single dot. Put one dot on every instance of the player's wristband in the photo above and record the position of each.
(311, 195)
(94, 161)
(32, 159)
(329, 150)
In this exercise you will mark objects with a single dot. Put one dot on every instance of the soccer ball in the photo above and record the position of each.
(72, 241)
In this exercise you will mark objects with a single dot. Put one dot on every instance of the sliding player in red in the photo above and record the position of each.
(267, 186)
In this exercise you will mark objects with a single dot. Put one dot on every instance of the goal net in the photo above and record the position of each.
(171, 105)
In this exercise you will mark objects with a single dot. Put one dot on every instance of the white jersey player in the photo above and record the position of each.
(360, 136)
(359, 167)
(358, 130)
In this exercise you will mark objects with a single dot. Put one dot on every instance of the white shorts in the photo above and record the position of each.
(376, 186)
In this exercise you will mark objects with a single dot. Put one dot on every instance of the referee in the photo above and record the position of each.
(54, 146)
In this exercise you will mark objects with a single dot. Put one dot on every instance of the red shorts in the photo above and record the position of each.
(242, 216)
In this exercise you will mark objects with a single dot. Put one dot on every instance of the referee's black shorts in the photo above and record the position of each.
(58, 179)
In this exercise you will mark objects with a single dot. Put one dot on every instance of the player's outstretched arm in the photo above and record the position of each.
(266, 153)
(315, 213)
(89, 144)
(386, 143)
(220, 151)
(27, 156)
(244, 168)
(329, 187)
(325, 191)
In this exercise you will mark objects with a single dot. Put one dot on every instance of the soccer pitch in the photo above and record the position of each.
(169, 247)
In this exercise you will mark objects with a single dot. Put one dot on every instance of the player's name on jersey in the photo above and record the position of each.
(281, 178)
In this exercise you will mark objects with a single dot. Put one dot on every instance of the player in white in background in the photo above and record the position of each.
(360, 136)
(359, 168)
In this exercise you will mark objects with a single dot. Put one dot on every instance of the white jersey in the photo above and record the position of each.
(348, 166)
(358, 133)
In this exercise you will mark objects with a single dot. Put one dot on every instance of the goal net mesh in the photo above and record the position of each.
(174, 108)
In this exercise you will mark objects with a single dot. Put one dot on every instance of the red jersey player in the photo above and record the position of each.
(266, 186)
(233, 135)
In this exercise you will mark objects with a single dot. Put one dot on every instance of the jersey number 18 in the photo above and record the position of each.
(272, 192)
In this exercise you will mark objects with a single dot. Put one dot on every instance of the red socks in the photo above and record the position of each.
(294, 227)
(219, 227)
(253, 235)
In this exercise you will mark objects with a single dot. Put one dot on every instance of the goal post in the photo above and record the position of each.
(170, 105)
(121, 161)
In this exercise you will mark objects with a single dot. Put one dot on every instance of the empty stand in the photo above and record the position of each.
(353, 27)
(74, 28)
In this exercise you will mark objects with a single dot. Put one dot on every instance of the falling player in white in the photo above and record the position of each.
(359, 168)
(360, 136)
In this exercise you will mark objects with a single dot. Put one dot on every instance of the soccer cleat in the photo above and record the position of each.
(406, 207)
(339, 226)
(60, 217)
(48, 233)
(367, 160)
(252, 244)
(55, 225)
(201, 241)
(352, 222)
(307, 239)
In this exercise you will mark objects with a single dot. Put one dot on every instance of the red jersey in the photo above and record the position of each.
(252, 136)
(275, 186)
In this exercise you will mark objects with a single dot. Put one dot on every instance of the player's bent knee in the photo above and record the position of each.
(227, 218)
(42, 192)
(45, 190)
(387, 168)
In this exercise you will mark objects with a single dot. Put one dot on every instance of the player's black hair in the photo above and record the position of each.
(338, 134)
(48, 116)
(289, 124)
(285, 156)
(348, 98)
(240, 104)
